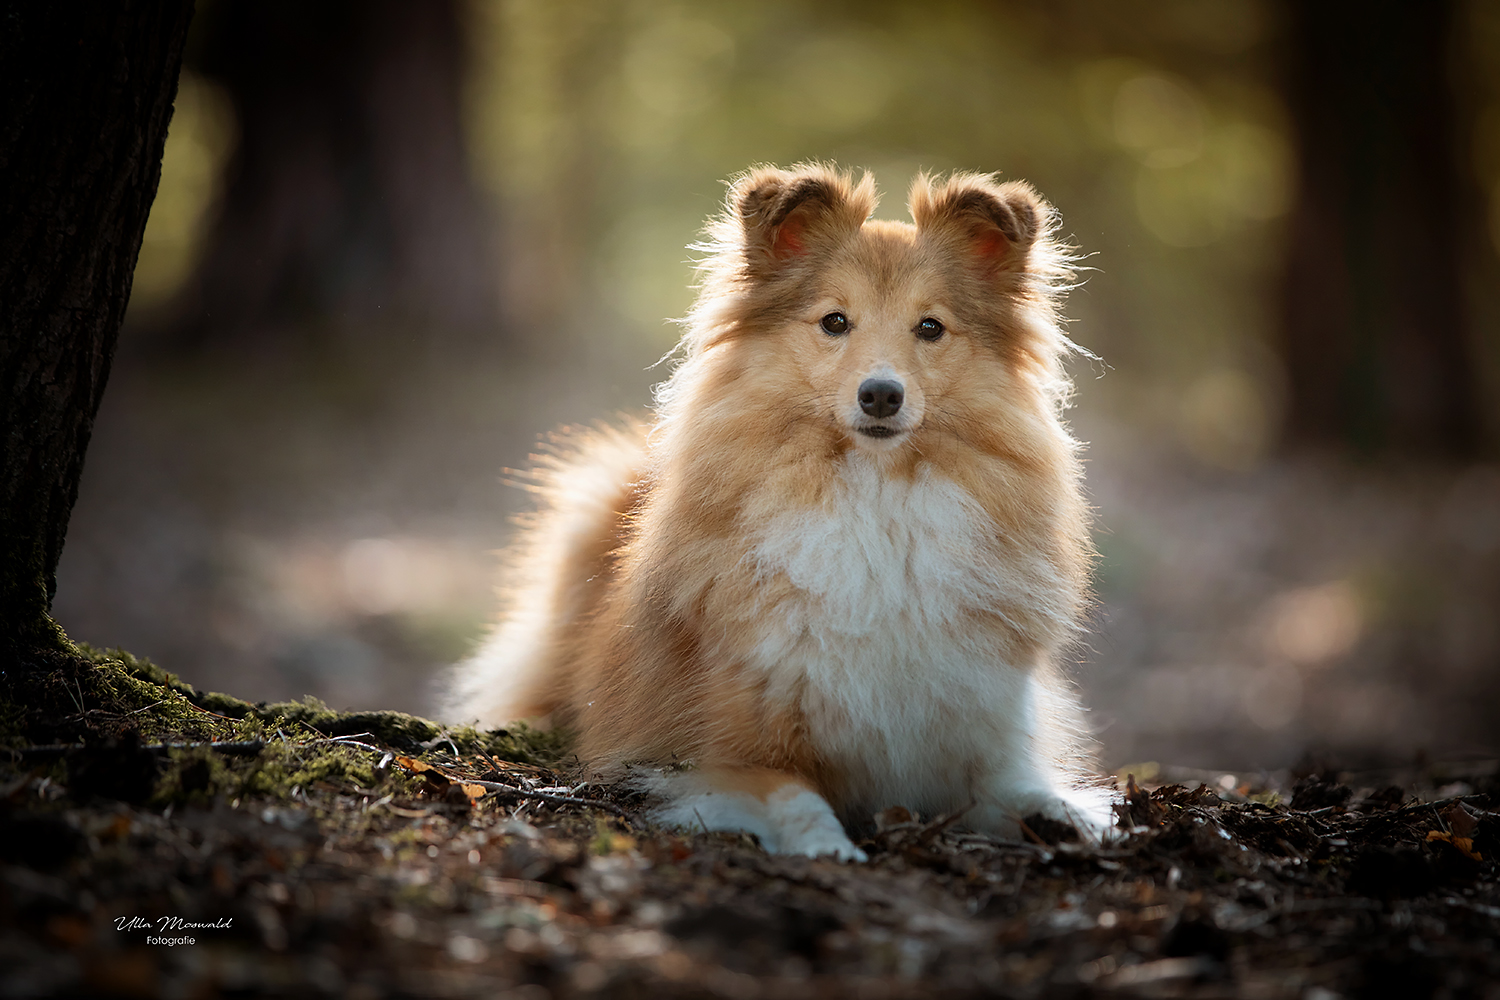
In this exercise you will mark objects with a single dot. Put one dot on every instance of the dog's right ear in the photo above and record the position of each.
(790, 215)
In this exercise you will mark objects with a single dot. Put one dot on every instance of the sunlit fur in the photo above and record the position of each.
(753, 588)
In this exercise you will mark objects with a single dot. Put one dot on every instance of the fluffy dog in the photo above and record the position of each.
(834, 573)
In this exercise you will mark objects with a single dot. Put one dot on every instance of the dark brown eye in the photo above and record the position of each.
(929, 328)
(835, 324)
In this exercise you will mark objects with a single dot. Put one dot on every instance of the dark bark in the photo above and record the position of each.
(1374, 335)
(88, 90)
(348, 193)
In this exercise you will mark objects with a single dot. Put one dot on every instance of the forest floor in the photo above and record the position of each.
(310, 852)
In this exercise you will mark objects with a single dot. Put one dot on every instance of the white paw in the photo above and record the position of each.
(819, 844)
(803, 823)
(1087, 809)
(791, 820)
(1090, 810)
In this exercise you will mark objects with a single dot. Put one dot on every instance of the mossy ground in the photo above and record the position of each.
(350, 854)
(104, 695)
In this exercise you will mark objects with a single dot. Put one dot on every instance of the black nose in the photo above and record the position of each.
(880, 397)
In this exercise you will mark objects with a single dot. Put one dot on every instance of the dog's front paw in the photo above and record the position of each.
(1088, 810)
(822, 844)
(803, 823)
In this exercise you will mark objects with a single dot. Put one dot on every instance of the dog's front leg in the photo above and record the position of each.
(1003, 801)
(779, 807)
(1015, 780)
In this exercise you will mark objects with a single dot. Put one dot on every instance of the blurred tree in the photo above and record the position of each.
(1374, 328)
(348, 191)
(88, 93)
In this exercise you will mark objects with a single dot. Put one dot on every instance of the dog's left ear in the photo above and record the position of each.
(997, 224)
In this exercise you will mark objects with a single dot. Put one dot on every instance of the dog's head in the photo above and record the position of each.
(888, 335)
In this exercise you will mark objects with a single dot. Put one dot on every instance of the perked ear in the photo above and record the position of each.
(996, 223)
(785, 215)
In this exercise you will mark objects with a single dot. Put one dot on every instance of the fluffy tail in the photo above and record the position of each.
(552, 577)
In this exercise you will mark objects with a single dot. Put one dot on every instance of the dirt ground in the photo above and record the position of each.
(378, 855)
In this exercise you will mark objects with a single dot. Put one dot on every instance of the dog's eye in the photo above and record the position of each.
(929, 328)
(835, 324)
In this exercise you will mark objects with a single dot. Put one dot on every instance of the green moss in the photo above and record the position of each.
(519, 742)
(141, 683)
(12, 723)
(137, 666)
(144, 670)
(414, 734)
(94, 694)
(107, 692)
(395, 729)
(195, 776)
(157, 704)
(282, 767)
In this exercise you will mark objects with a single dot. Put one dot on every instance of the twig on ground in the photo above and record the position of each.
(216, 715)
(929, 832)
(571, 800)
(349, 741)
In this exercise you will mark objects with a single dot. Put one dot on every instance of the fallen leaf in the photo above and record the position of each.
(1464, 844)
(1460, 821)
(894, 816)
(1138, 804)
(416, 766)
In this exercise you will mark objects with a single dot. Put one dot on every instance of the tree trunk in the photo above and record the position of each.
(87, 93)
(1374, 338)
(349, 201)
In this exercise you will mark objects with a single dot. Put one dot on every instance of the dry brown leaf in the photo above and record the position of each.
(1464, 844)
(415, 766)
(894, 816)
(441, 780)
(1139, 805)
(1460, 821)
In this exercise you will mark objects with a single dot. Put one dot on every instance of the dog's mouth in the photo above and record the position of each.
(878, 431)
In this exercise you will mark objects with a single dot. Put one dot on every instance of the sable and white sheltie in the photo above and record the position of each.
(834, 572)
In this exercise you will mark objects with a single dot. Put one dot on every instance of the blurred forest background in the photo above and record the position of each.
(396, 242)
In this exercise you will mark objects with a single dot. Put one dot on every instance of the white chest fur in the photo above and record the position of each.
(903, 689)
(879, 550)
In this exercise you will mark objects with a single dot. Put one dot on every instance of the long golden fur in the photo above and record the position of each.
(801, 600)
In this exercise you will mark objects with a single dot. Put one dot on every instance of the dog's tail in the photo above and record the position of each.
(553, 576)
